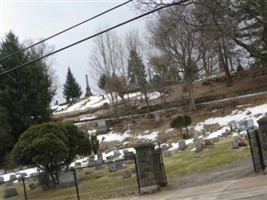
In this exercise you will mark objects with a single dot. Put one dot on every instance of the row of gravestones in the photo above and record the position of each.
(199, 145)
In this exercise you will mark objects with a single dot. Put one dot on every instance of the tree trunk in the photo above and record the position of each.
(223, 63)
(189, 85)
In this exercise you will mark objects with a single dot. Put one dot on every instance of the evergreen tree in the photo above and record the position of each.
(71, 89)
(25, 94)
(102, 81)
(136, 69)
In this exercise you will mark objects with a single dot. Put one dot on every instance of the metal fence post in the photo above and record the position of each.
(24, 188)
(76, 184)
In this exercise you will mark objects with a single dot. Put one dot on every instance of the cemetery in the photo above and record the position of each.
(106, 180)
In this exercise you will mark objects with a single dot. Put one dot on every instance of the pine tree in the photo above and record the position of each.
(25, 94)
(71, 89)
(102, 81)
(136, 69)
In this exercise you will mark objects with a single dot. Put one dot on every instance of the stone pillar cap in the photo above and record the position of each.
(144, 145)
(262, 120)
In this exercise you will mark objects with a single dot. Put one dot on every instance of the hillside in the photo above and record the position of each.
(213, 99)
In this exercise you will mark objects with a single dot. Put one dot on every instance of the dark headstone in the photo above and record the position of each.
(9, 183)
(216, 139)
(208, 142)
(126, 174)
(112, 167)
(226, 133)
(116, 153)
(12, 177)
(66, 179)
(32, 186)
(10, 192)
(119, 164)
(199, 146)
(78, 164)
(98, 176)
(167, 154)
(2, 179)
(181, 145)
(129, 155)
(91, 161)
(98, 165)
(105, 105)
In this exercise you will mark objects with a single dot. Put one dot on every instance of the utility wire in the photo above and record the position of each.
(87, 38)
(72, 27)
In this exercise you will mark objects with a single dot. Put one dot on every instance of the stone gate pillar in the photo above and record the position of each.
(148, 166)
(263, 137)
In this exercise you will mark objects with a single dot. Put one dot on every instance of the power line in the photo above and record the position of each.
(72, 27)
(87, 38)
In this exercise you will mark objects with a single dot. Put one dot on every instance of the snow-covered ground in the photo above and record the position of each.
(97, 101)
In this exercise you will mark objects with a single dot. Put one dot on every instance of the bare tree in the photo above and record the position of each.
(146, 5)
(171, 35)
(104, 60)
(243, 22)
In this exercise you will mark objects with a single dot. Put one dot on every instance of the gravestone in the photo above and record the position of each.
(9, 183)
(226, 133)
(116, 152)
(208, 142)
(10, 192)
(101, 126)
(196, 138)
(199, 146)
(157, 118)
(2, 171)
(12, 177)
(100, 157)
(105, 106)
(129, 155)
(112, 167)
(164, 146)
(167, 154)
(91, 161)
(66, 179)
(32, 186)
(98, 165)
(126, 174)
(2, 179)
(16, 170)
(215, 139)
(34, 174)
(77, 164)
(119, 163)
(235, 144)
(181, 145)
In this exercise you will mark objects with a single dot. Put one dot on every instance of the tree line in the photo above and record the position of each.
(187, 41)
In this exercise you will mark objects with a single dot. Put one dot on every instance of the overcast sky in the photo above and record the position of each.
(38, 19)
